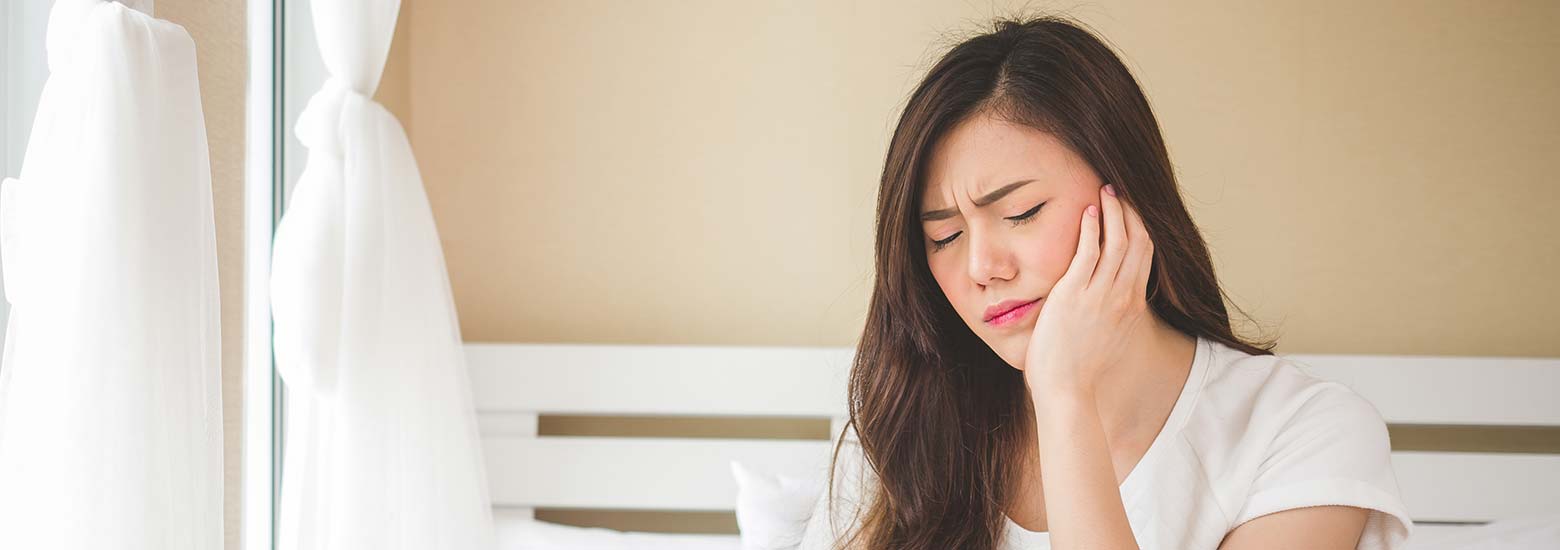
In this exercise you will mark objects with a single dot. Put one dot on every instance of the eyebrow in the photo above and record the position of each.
(991, 197)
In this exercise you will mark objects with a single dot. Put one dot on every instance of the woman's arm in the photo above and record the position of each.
(1077, 474)
(1315, 527)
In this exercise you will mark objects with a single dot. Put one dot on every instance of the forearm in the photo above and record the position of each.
(1083, 501)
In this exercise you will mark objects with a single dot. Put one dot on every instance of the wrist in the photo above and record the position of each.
(1061, 415)
(1062, 395)
(1059, 382)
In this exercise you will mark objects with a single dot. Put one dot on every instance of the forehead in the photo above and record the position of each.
(982, 153)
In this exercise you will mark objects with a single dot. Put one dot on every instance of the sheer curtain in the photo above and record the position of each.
(110, 413)
(382, 449)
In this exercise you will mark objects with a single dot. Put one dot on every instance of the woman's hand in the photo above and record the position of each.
(1097, 307)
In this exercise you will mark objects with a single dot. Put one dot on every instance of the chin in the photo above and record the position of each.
(1010, 347)
(1013, 356)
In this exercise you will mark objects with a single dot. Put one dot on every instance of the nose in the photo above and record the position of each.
(990, 259)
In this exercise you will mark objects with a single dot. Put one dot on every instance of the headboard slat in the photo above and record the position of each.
(1477, 486)
(636, 473)
(1488, 391)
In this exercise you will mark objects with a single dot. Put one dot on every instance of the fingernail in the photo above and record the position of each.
(1111, 189)
(1093, 210)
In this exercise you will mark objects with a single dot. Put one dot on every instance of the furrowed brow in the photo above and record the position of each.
(994, 196)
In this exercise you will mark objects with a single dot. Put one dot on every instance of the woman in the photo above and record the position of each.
(1048, 360)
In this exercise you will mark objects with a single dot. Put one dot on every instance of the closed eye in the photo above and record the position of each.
(937, 244)
(1026, 215)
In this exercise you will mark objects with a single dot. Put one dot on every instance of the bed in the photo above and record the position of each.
(1459, 498)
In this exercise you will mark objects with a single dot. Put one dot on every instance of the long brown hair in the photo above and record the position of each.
(940, 418)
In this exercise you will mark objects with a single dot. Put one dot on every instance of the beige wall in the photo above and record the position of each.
(1373, 178)
(222, 58)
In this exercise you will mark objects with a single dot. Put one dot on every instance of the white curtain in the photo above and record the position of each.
(382, 450)
(110, 412)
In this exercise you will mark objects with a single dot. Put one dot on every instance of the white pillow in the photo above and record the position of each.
(773, 508)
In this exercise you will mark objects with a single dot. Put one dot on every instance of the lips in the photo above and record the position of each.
(998, 314)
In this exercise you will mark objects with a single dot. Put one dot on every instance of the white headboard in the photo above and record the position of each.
(514, 383)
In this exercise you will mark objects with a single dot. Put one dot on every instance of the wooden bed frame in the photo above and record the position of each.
(515, 383)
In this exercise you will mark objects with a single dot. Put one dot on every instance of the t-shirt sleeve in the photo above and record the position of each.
(1334, 450)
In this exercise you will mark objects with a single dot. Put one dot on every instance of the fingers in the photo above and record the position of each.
(1133, 277)
(1115, 246)
(1084, 260)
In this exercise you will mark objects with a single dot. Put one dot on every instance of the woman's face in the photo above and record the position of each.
(1000, 211)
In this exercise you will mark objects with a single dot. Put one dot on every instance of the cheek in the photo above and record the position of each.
(945, 270)
(952, 277)
(1047, 256)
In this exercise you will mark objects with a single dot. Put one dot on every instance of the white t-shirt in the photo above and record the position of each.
(1249, 435)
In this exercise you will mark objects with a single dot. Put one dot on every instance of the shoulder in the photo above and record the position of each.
(1265, 399)
(1273, 436)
